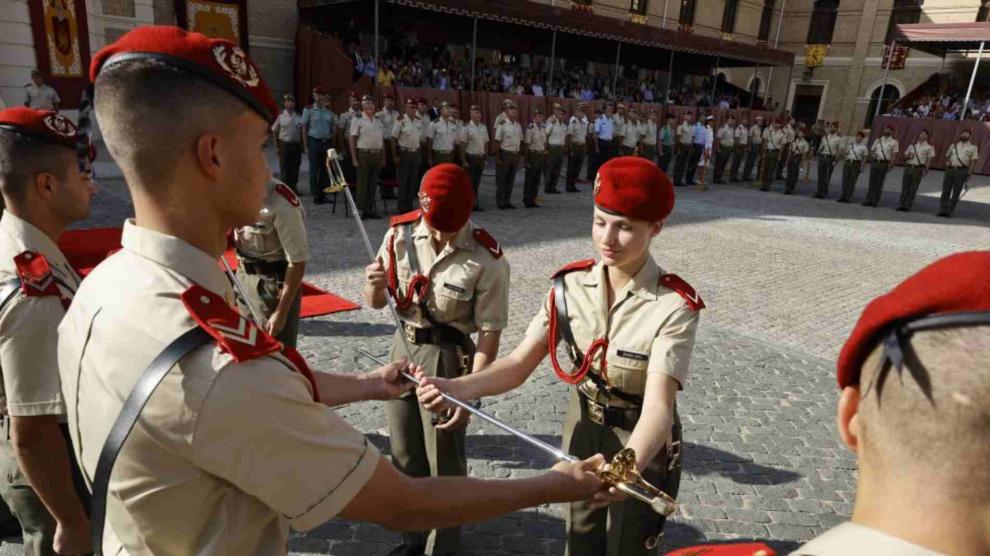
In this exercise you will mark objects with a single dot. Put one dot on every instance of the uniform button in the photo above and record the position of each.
(28, 256)
(205, 300)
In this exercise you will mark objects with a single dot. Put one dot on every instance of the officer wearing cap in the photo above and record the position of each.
(368, 149)
(619, 121)
(474, 141)
(405, 145)
(915, 398)
(423, 112)
(740, 147)
(535, 147)
(855, 157)
(755, 149)
(287, 134)
(917, 158)
(237, 443)
(450, 280)
(556, 130)
(343, 138)
(320, 125)
(648, 137)
(685, 136)
(442, 138)
(45, 188)
(508, 141)
(725, 139)
(774, 139)
(604, 138)
(883, 153)
(39, 95)
(961, 160)
(578, 130)
(388, 116)
(667, 145)
(828, 153)
(271, 256)
(626, 372)
(629, 145)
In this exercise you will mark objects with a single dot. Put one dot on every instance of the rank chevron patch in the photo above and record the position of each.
(234, 333)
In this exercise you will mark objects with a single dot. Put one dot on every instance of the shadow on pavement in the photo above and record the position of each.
(313, 327)
(705, 460)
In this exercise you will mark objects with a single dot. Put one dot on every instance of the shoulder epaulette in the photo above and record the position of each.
(406, 218)
(36, 275)
(235, 334)
(486, 239)
(583, 264)
(679, 285)
(286, 191)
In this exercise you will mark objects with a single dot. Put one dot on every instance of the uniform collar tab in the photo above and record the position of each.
(175, 254)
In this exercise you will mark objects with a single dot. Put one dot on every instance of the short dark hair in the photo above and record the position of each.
(22, 157)
(150, 112)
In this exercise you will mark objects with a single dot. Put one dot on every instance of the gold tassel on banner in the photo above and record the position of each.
(814, 54)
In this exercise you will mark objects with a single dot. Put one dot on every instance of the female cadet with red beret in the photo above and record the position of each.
(628, 329)
(449, 280)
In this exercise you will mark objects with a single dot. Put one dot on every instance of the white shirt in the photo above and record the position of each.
(852, 539)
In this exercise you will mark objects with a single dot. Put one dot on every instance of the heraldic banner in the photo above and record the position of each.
(221, 19)
(61, 46)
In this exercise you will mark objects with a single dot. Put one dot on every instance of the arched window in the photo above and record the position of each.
(638, 6)
(904, 11)
(765, 20)
(686, 18)
(890, 96)
(823, 18)
(983, 14)
(729, 16)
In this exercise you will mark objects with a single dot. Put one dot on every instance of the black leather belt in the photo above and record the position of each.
(268, 268)
(370, 151)
(608, 416)
(438, 335)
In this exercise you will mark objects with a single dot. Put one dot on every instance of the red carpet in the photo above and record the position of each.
(85, 249)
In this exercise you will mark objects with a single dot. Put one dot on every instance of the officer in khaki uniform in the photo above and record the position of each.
(39, 478)
(556, 129)
(619, 121)
(685, 140)
(346, 118)
(648, 137)
(238, 441)
(578, 130)
(883, 153)
(755, 149)
(449, 280)
(631, 353)
(388, 116)
(917, 158)
(960, 164)
(442, 138)
(535, 147)
(799, 152)
(740, 142)
(406, 150)
(773, 144)
(629, 143)
(39, 95)
(725, 139)
(474, 143)
(271, 257)
(368, 149)
(856, 156)
(508, 142)
(828, 153)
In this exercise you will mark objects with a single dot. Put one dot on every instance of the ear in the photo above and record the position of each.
(655, 229)
(45, 185)
(848, 418)
(207, 155)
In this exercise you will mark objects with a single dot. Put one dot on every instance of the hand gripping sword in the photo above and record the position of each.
(621, 473)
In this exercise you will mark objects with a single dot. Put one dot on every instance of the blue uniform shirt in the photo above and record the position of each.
(604, 128)
(319, 122)
(699, 133)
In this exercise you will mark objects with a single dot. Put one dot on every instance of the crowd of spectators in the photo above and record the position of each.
(942, 100)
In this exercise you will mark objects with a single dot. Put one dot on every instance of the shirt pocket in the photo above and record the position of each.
(627, 365)
(454, 297)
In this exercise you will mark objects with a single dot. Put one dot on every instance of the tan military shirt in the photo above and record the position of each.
(800, 147)
(962, 154)
(469, 287)
(388, 118)
(774, 139)
(424, 127)
(650, 328)
(850, 539)
(918, 154)
(857, 151)
(685, 133)
(407, 132)
(648, 133)
(725, 136)
(831, 145)
(443, 133)
(884, 149)
(789, 134)
(741, 135)
(509, 136)
(619, 125)
(227, 455)
(369, 132)
(556, 132)
(578, 130)
(474, 137)
(501, 119)
(41, 97)
(536, 137)
(29, 325)
(631, 134)
(346, 118)
(280, 233)
(755, 135)
(289, 127)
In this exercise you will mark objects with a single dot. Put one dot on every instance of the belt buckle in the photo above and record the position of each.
(410, 332)
(596, 413)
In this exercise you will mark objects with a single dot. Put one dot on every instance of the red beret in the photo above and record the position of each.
(319, 90)
(446, 197)
(634, 187)
(388, 95)
(218, 61)
(958, 283)
(43, 124)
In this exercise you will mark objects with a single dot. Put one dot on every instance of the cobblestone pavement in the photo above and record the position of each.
(784, 279)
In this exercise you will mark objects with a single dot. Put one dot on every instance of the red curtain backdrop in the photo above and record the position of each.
(943, 133)
(61, 46)
(322, 60)
(221, 19)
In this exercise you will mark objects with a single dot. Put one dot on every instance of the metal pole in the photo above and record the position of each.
(787, 95)
(752, 94)
(718, 58)
(776, 43)
(663, 22)
(615, 78)
(374, 78)
(553, 52)
(883, 87)
(474, 51)
(670, 76)
(972, 79)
